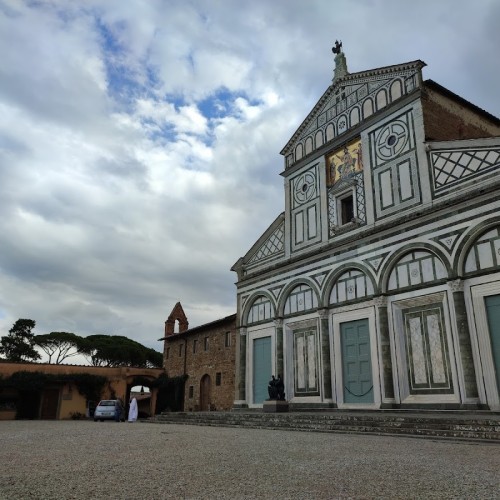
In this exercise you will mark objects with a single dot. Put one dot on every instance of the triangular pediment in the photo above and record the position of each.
(343, 107)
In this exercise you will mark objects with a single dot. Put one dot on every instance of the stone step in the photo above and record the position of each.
(484, 427)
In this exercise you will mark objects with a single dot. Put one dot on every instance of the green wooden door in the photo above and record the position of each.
(356, 362)
(261, 368)
(492, 304)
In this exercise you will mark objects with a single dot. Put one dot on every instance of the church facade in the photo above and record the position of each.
(379, 284)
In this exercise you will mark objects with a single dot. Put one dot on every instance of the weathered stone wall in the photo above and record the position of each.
(216, 359)
(446, 119)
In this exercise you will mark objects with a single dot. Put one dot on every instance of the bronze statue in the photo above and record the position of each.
(338, 47)
(276, 389)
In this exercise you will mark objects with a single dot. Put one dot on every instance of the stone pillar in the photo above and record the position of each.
(385, 343)
(457, 289)
(278, 324)
(240, 382)
(325, 353)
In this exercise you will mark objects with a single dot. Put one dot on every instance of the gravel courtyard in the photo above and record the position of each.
(87, 460)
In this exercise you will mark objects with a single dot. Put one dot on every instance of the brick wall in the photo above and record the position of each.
(446, 119)
(215, 359)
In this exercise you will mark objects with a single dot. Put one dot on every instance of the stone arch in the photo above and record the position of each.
(440, 266)
(396, 90)
(309, 145)
(381, 99)
(367, 108)
(299, 152)
(299, 289)
(354, 116)
(479, 250)
(268, 314)
(337, 274)
(319, 138)
(330, 132)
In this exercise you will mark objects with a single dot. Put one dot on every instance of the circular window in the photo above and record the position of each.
(391, 140)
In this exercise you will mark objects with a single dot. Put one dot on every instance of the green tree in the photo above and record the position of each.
(116, 350)
(19, 344)
(60, 345)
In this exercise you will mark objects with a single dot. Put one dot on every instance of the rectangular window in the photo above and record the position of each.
(195, 345)
(206, 344)
(227, 340)
(218, 378)
(191, 392)
(347, 209)
(180, 349)
(168, 352)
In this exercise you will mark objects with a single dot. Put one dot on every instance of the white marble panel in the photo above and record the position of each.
(402, 275)
(300, 368)
(311, 222)
(436, 352)
(470, 263)
(311, 358)
(485, 256)
(428, 269)
(342, 291)
(386, 188)
(404, 174)
(417, 347)
(308, 302)
(360, 284)
(414, 270)
(299, 227)
(351, 289)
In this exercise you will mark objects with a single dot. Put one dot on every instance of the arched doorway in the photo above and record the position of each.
(205, 387)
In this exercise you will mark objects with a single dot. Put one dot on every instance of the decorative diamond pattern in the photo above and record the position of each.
(452, 167)
(273, 245)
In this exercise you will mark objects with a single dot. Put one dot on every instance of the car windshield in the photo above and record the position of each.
(107, 403)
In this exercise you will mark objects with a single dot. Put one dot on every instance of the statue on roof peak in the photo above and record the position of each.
(340, 61)
(338, 47)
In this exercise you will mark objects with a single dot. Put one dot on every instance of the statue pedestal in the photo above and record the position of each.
(275, 406)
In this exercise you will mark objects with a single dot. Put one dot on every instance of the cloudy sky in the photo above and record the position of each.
(140, 140)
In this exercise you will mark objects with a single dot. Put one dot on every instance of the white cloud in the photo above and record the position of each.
(121, 194)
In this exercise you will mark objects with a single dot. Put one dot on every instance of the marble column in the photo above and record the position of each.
(457, 290)
(278, 324)
(385, 343)
(240, 396)
(325, 353)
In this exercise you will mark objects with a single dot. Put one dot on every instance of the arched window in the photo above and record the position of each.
(319, 138)
(367, 108)
(299, 151)
(330, 132)
(485, 252)
(381, 99)
(261, 310)
(396, 90)
(354, 116)
(309, 145)
(351, 285)
(415, 268)
(301, 298)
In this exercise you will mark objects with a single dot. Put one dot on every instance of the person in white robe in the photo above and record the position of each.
(132, 412)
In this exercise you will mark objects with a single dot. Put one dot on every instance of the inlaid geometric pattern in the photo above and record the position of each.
(301, 298)
(452, 167)
(319, 278)
(448, 240)
(351, 285)
(273, 245)
(416, 268)
(485, 253)
(375, 262)
(261, 310)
